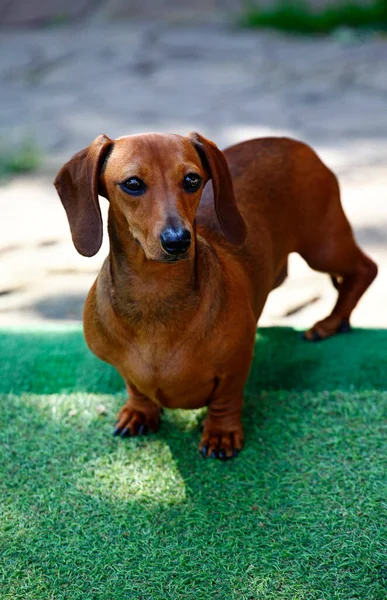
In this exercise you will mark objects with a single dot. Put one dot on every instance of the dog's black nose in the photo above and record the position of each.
(175, 241)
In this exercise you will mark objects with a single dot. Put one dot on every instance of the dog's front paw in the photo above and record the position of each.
(223, 445)
(134, 422)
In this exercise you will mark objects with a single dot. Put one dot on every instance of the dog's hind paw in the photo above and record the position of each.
(325, 329)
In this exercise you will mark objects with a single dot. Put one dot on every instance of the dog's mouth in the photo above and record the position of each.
(168, 258)
(174, 258)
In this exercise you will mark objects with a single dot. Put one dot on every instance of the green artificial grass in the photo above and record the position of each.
(299, 515)
(298, 17)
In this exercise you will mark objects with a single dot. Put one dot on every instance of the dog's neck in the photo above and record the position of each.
(145, 291)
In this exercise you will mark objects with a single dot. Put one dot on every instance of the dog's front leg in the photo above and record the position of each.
(138, 415)
(222, 429)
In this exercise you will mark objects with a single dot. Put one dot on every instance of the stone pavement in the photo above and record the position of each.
(63, 86)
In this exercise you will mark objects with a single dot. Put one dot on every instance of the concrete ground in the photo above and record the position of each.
(63, 86)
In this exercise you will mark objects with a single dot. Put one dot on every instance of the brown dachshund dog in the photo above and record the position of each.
(198, 239)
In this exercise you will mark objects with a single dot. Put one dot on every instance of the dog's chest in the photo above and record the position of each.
(182, 376)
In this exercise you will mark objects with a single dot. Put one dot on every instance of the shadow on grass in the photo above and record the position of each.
(51, 361)
(284, 361)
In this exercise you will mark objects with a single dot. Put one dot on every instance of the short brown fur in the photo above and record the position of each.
(182, 333)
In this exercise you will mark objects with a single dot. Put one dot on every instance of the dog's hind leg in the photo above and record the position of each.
(335, 251)
(352, 273)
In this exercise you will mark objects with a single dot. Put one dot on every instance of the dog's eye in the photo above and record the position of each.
(192, 182)
(134, 186)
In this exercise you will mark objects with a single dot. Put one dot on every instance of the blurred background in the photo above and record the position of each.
(72, 69)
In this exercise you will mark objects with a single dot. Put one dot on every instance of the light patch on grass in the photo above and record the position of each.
(88, 408)
(142, 470)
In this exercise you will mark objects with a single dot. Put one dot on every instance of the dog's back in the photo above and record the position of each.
(286, 195)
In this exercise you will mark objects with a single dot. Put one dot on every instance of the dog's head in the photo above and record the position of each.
(154, 183)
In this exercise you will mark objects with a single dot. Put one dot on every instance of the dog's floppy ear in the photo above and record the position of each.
(226, 208)
(77, 184)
